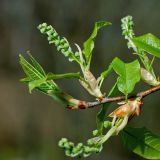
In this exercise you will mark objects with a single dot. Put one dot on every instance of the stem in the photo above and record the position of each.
(141, 95)
(82, 62)
(102, 113)
(108, 135)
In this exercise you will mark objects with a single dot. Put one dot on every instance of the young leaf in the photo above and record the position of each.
(36, 64)
(30, 70)
(104, 74)
(129, 75)
(34, 74)
(89, 43)
(142, 142)
(148, 43)
(65, 75)
(35, 79)
(36, 83)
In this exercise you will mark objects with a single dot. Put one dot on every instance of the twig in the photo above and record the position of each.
(141, 95)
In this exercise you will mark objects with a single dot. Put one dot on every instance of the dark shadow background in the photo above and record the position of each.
(31, 125)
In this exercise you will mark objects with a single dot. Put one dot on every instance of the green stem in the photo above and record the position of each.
(102, 113)
(108, 135)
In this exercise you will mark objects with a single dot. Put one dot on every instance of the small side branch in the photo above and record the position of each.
(141, 95)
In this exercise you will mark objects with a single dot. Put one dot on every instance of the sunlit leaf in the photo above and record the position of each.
(89, 43)
(148, 43)
(129, 75)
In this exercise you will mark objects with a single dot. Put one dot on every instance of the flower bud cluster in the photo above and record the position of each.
(127, 27)
(53, 38)
(78, 150)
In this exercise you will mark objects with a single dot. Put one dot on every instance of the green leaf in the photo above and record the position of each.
(36, 64)
(35, 75)
(36, 83)
(142, 142)
(104, 74)
(65, 75)
(30, 70)
(148, 43)
(89, 43)
(36, 79)
(129, 75)
(25, 80)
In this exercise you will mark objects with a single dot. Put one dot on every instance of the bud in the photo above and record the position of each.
(95, 132)
(131, 108)
(107, 124)
(91, 79)
(92, 87)
(148, 77)
(125, 112)
(62, 142)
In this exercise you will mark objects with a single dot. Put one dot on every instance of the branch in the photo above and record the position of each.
(141, 95)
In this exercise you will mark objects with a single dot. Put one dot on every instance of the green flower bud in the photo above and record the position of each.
(50, 33)
(90, 142)
(107, 124)
(67, 146)
(61, 43)
(79, 145)
(87, 149)
(62, 142)
(68, 153)
(71, 144)
(95, 132)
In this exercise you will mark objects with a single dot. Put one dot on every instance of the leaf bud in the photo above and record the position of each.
(148, 77)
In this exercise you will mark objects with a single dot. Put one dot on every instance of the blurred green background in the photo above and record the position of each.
(31, 125)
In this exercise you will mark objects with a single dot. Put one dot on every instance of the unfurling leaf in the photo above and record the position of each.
(104, 74)
(37, 83)
(31, 72)
(89, 43)
(148, 43)
(129, 75)
(36, 78)
(34, 74)
(36, 64)
(142, 142)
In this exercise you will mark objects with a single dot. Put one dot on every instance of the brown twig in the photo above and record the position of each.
(141, 95)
